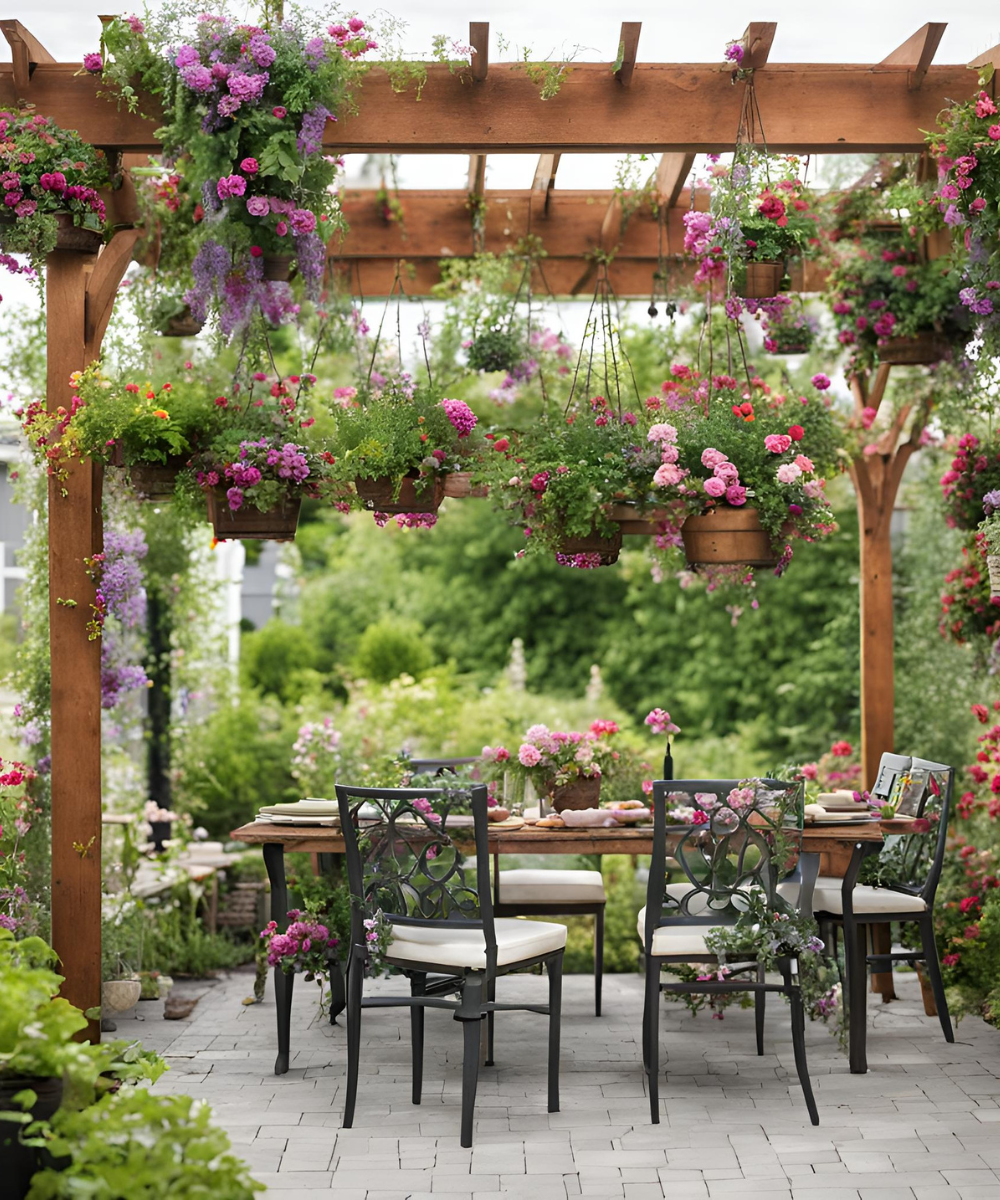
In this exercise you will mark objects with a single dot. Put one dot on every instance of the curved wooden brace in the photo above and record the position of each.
(102, 287)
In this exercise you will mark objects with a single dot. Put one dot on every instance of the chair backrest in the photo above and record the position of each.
(730, 838)
(406, 857)
(913, 861)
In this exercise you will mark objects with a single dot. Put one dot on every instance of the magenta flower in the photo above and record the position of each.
(257, 206)
(529, 756)
(821, 382)
(93, 63)
(736, 495)
(230, 185)
(460, 415)
(778, 443)
(715, 487)
(249, 166)
(659, 722)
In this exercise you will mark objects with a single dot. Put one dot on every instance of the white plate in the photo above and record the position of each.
(283, 819)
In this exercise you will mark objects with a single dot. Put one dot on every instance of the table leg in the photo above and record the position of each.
(881, 935)
(856, 948)
(274, 861)
(332, 865)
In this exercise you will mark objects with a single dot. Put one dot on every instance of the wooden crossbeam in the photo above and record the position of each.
(757, 39)
(477, 174)
(987, 58)
(479, 40)
(917, 52)
(810, 108)
(628, 47)
(26, 52)
(671, 175)
(545, 175)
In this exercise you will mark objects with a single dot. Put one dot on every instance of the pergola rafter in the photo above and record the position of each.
(676, 110)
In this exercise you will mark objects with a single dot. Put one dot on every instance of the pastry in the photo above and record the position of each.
(550, 823)
(497, 814)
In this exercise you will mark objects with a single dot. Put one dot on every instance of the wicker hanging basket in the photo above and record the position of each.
(727, 537)
(156, 481)
(763, 280)
(77, 237)
(459, 486)
(183, 324)
(922, 349)
(278, 267)
(606, 548)
(250, 524)
(379, 495)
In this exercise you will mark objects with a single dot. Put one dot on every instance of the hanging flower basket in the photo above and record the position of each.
(151, 481)
(182, 325)
(77, 237)
(763, 280)
(581, 793)
(278, 267)
(379, 495)
(792, 348)
(727, 536)
(248, 523)
(630, 520)
(459, 486)
(921, 349)
(593, 550)
(993, 563)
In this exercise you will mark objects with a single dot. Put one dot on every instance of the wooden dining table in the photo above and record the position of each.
(835, 845)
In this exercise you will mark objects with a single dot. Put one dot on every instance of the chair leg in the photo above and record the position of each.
(598, 959)
(417, 986)
(355, 983)
(653, 1036)
(855, 958)
(934, 971)
(759, 1001)
(283, 1005)
(491, 995)
(555, 967)
(470, 1078)
(799, 1047)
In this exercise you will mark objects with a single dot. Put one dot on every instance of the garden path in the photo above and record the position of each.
(922, 1125)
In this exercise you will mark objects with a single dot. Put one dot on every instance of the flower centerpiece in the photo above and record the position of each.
(247, 104)
(989, 533)
(967, 147)
(564, 767)
(742, 468)
(760, 218)
(396, 442)
(561, 479)
(48, 181)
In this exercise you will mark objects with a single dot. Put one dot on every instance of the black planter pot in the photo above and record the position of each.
(160, 831)
(18, 1162)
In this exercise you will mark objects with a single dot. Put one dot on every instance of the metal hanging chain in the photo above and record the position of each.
(579, 357)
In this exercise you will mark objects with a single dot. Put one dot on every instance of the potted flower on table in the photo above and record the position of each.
(564, 767)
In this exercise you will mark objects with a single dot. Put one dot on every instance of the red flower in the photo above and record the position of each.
(501, 444)
(951, 960)
(221, 402)
(773, 208)
(981, 713)
(796, 433)
(841, 749)
(968, 904)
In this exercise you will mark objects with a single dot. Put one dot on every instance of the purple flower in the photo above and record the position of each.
(991, 502)
(735, 52)
(186, 56)
(310, 255)
(461, 416)
(198, 78)
(235, 498)
(262, 54)
(246, 88)
(952, 216)
(93, 62)
(257, 206)
(231, 185)
(303, 220)
(310, 138)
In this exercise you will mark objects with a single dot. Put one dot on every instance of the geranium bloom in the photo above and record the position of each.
(809, 771)
(529, 756)
(821, 382)
(841, 750)
(796, 433)
(662, 433)
(711, 457)
(230, 185)
(736, 495)
(668, 474)
(603, 727)
(93, 62)
(804, 463)
(715, 487)
(728, 472)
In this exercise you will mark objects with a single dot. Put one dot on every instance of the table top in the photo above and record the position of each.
(319, 839)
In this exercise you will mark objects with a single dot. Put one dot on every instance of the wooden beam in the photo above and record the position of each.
(917, 52)
(628, 47)
(26, 52)
(987, 58)
(479, 40)
(757, 39)
(477, 174)
(811, 108)
(671, 176)
(545, 176)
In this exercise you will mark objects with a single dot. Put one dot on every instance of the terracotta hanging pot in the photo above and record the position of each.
(727, 537)
(379, 495)
(77, 237)
(921, 349)
(183, 324)
(248, 523)
(607, 548)
(763, 280)
(459, 486)
(278, 267)
(581, 793)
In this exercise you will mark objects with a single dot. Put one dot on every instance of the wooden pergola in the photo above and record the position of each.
(675, 110)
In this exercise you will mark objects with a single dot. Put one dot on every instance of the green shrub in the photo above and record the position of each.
(176, 943)
(280, 660)
(390, 648)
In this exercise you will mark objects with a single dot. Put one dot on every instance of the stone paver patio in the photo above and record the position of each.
(924, 1124)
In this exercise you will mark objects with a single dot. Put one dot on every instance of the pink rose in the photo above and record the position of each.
(280, 112)
(711, 457)
(736, 495)
(250, 166)
(728, 472)
(803, 463)
(715, 487)
(669, 454)
(788, 472)
(529, 756)
(257, 206)
(777, 443)
(667, 475)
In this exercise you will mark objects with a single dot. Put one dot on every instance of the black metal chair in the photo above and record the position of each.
(407, 864)
(738, 851)
(914, 862)
(544, 892)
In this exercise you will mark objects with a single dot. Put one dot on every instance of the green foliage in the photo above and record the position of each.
(177, 943)
(141, 1145)
(279, 660)
(762, 194)
(390, 648)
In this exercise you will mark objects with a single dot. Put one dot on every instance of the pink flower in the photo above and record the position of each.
(788, 472)
(809, 771)
(529, 756)
(985, 106)
(977, 205)
(662, 433)
(659, 722)
(280, 112)
(647, 786)
(257, 206)
(777, 443)
(93, 63)
(230, 185)
(250, 166)
(820, 382)
(994, 133)
(736, 495)
(715, 487)
(668, 474)
(669, 454)
(803, 463)
(711, 457)
(868, 416)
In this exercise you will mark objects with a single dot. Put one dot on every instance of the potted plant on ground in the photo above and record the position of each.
(743, 467)
(48, 182)
(564, 767)
(247, 103)
(562, 478)
(397, 442)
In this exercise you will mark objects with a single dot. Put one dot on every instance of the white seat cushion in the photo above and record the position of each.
(450, 946)
(677, 939)
(828, 898)
(550, 887)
